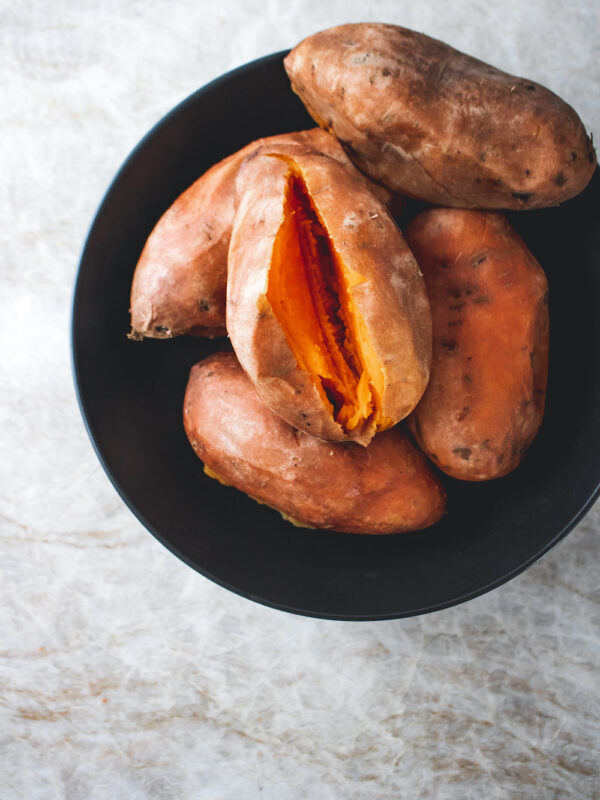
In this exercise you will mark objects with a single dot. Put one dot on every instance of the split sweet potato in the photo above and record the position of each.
(326, 307)
(485, 399)
(438, 125)
(180, 280)
(387, 488)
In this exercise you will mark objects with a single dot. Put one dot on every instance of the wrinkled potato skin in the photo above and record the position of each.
(392, 300)
(485, 400)
(438, 125)
(387, 488)
(180, 280)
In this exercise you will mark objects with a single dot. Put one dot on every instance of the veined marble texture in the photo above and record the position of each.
(123, 673)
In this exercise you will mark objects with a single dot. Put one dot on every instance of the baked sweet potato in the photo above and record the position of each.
(386, 488)
(180, 279)
(326, 307)
(489, 302)
(436, 124)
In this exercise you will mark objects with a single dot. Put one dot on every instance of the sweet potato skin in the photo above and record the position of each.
(387, 488)
(438, 125)
(391, 300)
(489, 299)
(179, 283)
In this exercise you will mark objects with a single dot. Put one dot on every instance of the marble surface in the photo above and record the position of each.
(124, 674)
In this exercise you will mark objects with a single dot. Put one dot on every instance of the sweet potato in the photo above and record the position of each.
(180, 280)
(326, 307)
(436, 124)
(485, 399)
(387, 488)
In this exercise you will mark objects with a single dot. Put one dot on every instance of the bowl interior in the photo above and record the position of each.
(131, 397)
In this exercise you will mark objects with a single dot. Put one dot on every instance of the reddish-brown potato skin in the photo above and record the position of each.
(489, 301)
(386, 488)
(438, 125)
(392, 299)
(179, 283)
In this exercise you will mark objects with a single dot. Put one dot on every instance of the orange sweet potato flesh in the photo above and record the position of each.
(327, 309)
(385, 488)
(179, 283)
(485, 400)
(309, 294)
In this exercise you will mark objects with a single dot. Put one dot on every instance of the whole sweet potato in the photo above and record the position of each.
(436, 124)
(180, 280)
(485, 399)
(387, 488)
(326, 307)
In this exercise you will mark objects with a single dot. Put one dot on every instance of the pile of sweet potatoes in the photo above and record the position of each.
(343, 326)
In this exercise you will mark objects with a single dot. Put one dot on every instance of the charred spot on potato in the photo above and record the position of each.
(522, 196)
(560, 179)
(463, 452)
(463, 413)
(309, 291)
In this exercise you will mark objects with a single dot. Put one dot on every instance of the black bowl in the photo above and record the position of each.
(131, 397)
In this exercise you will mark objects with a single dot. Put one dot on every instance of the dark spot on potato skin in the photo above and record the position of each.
(467, 378)
(482, 156)
(455, 322)
(482, 299)
(463, 452)
(460, 417)
(477, 260)
(458, 307)
(161, 329)
(386, 72)
(444, 265)
(210, 373)
(527, 173)
(469, 358)
(450, 346)
(523, 196)
(203, 305)
(530, 87)
(560, 179)
(486, 444)
(574, 156)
